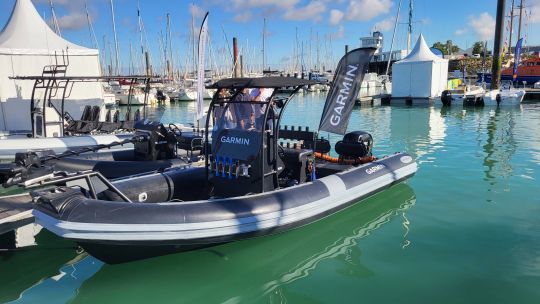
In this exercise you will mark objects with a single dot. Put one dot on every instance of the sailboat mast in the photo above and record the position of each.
(520, 14)
(90, 26)
(393, 37)
(263, 45)
(170, 45)
(117, 63)
(55, 21)
(409, 31)
(511, 24)
(318, 57)
(496, 64)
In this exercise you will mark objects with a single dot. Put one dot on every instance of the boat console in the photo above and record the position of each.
(251, 153)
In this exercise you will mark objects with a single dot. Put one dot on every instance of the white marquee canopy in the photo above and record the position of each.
(27, 44)
(421, 74)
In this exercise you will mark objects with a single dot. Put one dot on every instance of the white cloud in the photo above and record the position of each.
(384, 25)
(336, 16)
(243, 17)
(340, 34)
(534, 6)
(70, 5)
(483, 26)
(312, 11)
(460, 31)
(196, 11)
(364, 10)
(243, 4)
(72, 21)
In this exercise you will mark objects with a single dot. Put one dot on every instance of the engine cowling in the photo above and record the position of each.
(355, 145)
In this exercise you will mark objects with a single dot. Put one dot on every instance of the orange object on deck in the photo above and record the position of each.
(337, 160)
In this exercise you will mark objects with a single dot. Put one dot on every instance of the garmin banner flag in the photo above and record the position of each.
(344, 91)
(517, 57)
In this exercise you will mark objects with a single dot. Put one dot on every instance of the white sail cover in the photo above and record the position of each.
(421, 74)
(27, 44)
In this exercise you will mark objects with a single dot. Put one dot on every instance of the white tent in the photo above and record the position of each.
(27, 44)
(421, 74)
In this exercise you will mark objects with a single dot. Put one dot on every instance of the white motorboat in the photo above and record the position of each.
(507, 95)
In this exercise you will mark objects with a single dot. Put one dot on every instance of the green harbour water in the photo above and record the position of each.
(464, 229)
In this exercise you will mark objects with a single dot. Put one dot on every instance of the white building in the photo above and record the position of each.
(421, 74)
(377, 41)
(27, 44)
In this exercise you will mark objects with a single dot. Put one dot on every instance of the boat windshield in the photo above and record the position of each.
(243, 110)
(239, 122)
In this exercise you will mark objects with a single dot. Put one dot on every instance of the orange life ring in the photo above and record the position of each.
(337, 160)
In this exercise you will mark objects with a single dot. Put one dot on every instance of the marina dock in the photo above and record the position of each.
(532, 94)
(15, 212)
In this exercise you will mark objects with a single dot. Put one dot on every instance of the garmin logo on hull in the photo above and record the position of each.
(352, 71)
(235, 140)
(374, 169)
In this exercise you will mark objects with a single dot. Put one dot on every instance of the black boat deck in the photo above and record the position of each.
(15, 212)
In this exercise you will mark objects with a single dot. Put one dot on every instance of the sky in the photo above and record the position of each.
(293, 27)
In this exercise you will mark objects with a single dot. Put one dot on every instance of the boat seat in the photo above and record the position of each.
(88, 123)
(127, 125)
(189, 141)
(108, 115)
(295, 161)
(108, 127)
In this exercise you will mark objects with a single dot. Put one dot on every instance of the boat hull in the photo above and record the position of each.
(118, 232)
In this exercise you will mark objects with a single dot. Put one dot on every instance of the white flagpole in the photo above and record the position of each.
(200, 68)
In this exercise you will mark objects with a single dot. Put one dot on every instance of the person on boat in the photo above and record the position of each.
(242, 109)
(261, 95)
(224, 117)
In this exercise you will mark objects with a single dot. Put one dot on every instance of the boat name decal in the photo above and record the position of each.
(374, 169)
(235, 140)
(343, 94)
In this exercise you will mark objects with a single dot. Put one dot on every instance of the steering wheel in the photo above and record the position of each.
(174, 128)
(280, 152)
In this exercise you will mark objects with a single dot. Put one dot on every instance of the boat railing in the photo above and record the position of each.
(87, 180)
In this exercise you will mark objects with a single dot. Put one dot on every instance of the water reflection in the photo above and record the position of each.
(499, 148)
(20, 270)
(344, 246)
(252, 270)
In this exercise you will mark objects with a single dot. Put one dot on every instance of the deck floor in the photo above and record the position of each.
(15, 211)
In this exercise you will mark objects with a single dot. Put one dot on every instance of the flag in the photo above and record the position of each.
(517, 56)
(203, 33)
(344, 91)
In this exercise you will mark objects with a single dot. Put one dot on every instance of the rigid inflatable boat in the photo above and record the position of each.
(259, 178)
(155, 147)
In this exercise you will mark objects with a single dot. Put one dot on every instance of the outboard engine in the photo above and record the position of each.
(355, 145)
(160, 144)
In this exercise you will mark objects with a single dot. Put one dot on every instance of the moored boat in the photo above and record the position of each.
(155, 147)
(251, 184)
